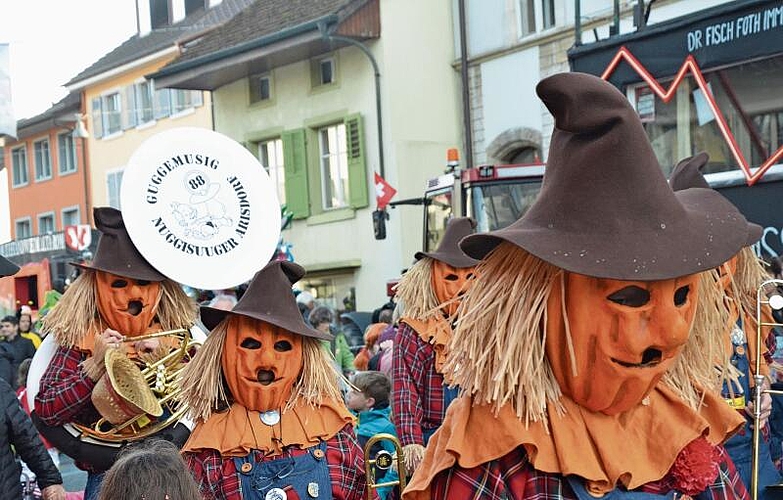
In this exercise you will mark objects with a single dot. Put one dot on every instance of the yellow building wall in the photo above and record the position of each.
(111, 154)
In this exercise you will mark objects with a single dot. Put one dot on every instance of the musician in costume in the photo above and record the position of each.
(430, 291)
(739, 279)
(117, 297)
(581, 377)
(271, 421)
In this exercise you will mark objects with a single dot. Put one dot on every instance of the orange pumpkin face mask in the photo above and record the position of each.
(626, 335)
(125, 304)
(261, 363)
(449, 282)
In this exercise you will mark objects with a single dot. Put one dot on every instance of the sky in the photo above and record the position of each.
(51, 41)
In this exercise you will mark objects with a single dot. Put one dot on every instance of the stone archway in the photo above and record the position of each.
(511, 143)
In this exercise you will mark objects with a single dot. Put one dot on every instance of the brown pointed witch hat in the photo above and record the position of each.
(116, 252)
(448, 250)
(605, 208)
(7, 268)
(269, 298)
(687, 174)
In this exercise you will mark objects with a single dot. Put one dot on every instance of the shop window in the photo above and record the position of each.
(23, 228)
(43, 160)
(46, 223)
(66, 153)
(748, 98)
(19, 162)
(270, 154)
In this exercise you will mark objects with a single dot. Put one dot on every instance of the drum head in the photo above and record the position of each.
(200, 208)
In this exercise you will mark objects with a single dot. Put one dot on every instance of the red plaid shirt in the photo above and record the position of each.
(218, 478)
(511, 477)
(64, 394)
(417, 394)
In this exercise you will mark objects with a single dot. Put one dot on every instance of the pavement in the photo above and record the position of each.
(73, 478)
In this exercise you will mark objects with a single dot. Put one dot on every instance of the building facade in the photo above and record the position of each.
(303, 94)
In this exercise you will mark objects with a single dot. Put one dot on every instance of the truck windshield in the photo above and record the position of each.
(439, 210)
(495, 206)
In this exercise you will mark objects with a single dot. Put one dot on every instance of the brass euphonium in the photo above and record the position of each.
(127, 392)
(383, 460)
(768, 294)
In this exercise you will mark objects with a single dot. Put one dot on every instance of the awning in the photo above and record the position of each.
(720, 36)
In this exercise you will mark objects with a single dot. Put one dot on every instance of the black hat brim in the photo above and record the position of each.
(7, 268)
(211, 317)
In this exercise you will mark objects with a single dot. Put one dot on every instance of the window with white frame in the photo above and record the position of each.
(270, 153)
(144, 103)
(323, 71)
(23, 228)
(334, 166)
(182, 100)
(113, 183)
(260, 88)
(66, 153)
(70, 216)
(111, 105)
(528, 10)
(43, 160)
(19, 163)
(46, 223)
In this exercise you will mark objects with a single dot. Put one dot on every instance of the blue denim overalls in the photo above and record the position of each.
(740, 445)
(578, 486)
(307, 475)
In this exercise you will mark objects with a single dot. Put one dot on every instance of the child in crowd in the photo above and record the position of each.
(369, 400)
(152, 469)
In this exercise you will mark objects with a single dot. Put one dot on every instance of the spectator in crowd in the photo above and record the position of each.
(321, 318)
(369, 400)
(365, 359)
(152, 469)
(25, 318)
(21, 394)
(15, 348)
(17, 431)
(306, 304)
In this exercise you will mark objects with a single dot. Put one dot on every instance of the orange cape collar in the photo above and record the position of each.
(233, 433)
(591, 445)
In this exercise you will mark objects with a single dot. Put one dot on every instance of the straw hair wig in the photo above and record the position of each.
(416, 292)
(76, 313)
(748, 276)
(497, 352)
(204, 389)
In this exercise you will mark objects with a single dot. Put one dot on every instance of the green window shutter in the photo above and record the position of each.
(357, 170)
(295, 168)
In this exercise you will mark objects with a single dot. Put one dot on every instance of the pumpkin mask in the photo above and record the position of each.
(125, 304)
(625, 334)
(261, 363)
(449, 282)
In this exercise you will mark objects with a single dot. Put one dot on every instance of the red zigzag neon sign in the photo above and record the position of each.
(690, 65)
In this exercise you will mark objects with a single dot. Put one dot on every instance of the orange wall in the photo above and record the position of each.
(51, 195)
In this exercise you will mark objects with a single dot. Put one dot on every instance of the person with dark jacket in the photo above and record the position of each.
(17, 430)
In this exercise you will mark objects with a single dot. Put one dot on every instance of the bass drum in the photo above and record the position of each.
(72, 441)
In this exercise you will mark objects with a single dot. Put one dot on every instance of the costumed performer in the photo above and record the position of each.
(118, 295)
(577, 312)
(430, 291)
(740, 278)
(271, 421)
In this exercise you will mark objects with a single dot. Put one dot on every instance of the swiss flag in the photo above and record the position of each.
(383, 192)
